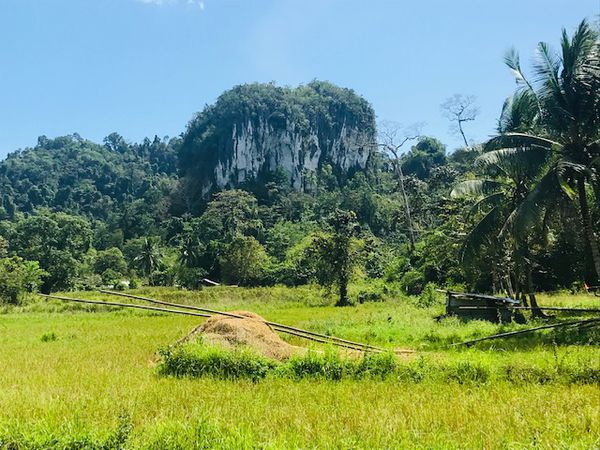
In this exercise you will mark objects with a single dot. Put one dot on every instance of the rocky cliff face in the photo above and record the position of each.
(255, 129)
(260, 148)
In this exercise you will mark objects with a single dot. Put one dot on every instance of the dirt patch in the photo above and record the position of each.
(251, 331)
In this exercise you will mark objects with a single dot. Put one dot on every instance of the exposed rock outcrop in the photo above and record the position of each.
(257, 129)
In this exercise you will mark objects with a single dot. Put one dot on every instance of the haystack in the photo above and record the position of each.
(251, 332)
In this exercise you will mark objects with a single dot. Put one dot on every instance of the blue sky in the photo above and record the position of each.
(143, 67)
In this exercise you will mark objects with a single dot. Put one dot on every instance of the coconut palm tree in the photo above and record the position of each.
(558, 113)
(511, 174)
(149, 259)
(190, 251)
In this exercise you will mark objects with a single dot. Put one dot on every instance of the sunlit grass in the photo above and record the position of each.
(70, 375)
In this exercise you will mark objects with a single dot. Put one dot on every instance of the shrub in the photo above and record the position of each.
(397, 268)
(111, 278)
(370, 296)
(161, 278)
(17, 277)
(111, 259)
(521, 373)
(190, 277)
(244, 261)
(584, 375)
(412, 282)
(328, 366)
(466, 372)
(429, 297)
(67, 438)
(49, 337)
(196, 360)
(414, 372)
(376, 365)
(299, 266)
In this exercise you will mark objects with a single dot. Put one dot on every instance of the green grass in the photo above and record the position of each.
(74, 376)
(197, 360)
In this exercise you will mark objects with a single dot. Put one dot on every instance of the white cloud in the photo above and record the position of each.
(197, 3)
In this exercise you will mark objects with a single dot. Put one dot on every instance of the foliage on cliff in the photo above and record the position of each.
(117, 213)
(120, 184)
(318, 108)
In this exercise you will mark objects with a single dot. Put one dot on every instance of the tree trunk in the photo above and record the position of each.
(588, 229)
(343, 300)
(524, 299)
(400, 175)
(462, 133)
(509, 286)
(535, 309)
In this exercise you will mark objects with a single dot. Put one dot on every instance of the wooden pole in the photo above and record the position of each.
(298, 333)
(529, 330)
(545, 308)
(237, 316)
(127, 305)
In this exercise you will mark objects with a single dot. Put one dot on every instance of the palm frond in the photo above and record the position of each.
(513, 62)
(483, 232)
(531, 211)
(577, 51)
(547, 66)
(475, 188)
(520, 113)
(494, 199)
(567, 166)
(516, 163)
(566, 171)
(511, 140)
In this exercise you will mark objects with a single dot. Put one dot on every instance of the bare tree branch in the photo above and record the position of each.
(460, 109)
(392, 137)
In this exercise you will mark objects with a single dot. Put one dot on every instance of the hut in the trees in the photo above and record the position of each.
(470, 306)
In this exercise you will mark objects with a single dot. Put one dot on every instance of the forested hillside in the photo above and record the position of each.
(278, 185)
(125, 186)
(255, 129)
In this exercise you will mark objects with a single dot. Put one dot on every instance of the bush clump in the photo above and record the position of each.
(332, 366)
(412, 282)
(465, 372)
(67, 438)
(519, 373)
(429, 297)
(313, 365)
(196, 361)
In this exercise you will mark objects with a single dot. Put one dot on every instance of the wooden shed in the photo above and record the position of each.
(470, 306)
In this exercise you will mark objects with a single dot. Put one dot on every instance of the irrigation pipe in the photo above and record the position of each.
(529, 330)
(279, 326)
(544, 308)
(127, 305)
(189, 313)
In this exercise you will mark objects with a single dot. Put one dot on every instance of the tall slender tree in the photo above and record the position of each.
(511, 174)
(392, 141)
(558, 112)
(149, 258)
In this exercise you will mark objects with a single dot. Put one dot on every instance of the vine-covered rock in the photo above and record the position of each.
(258, 128)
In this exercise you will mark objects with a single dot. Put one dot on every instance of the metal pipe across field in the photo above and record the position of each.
(279, 326)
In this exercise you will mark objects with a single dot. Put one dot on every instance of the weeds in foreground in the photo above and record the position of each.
(17, 439)
(199, 360)
(196, 360)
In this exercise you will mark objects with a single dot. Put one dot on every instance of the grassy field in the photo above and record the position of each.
(74, 376)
